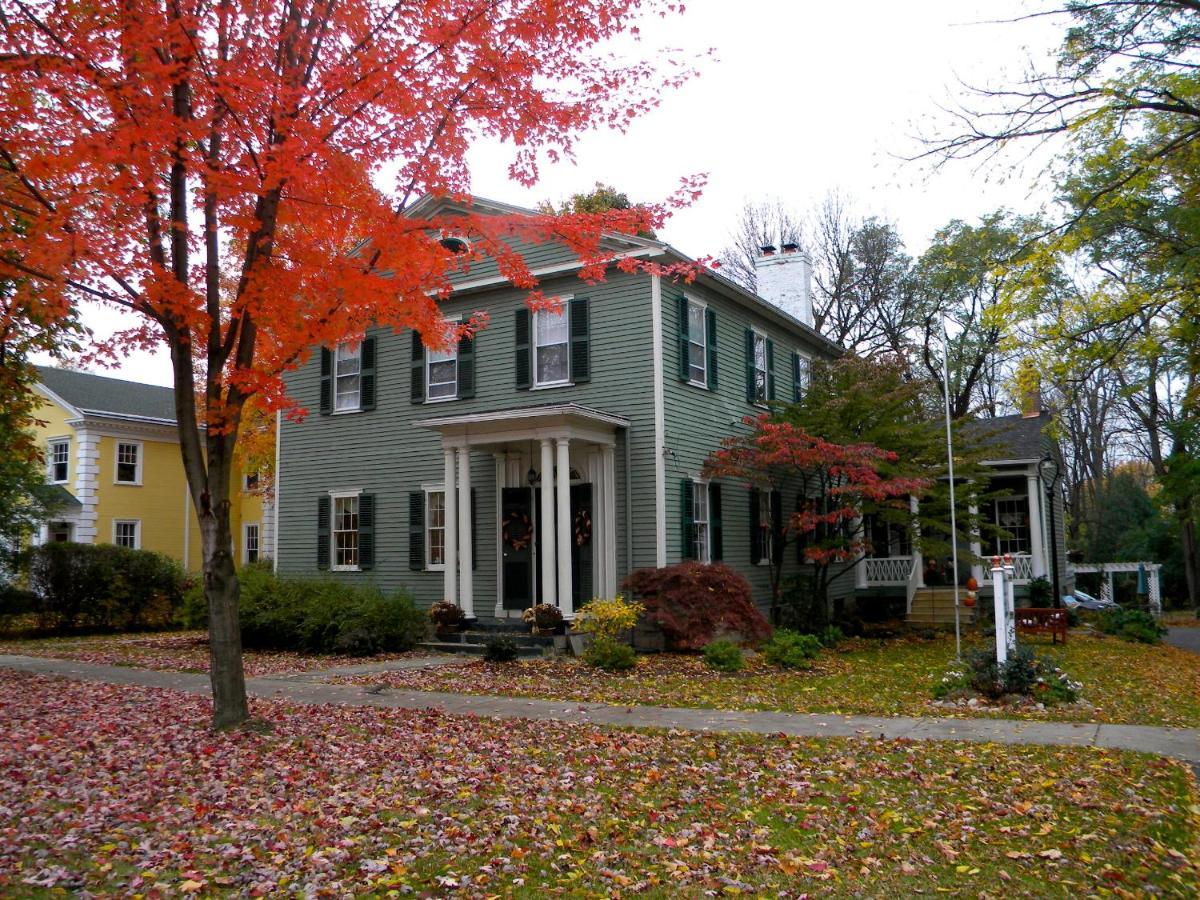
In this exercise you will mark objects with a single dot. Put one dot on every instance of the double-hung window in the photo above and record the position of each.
(697, 335)
(441, 377)
(435, 528)
(761, 368)
(58, 459)
(551, 340)
(345, 532)
(801, 376)
(1012, 517)
(127, 534)
(129, 463)
(702, 549)
(766, 527)
(250, 542)
(347, 368)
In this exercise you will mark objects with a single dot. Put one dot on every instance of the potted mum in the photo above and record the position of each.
(447, 617)
(544, 619)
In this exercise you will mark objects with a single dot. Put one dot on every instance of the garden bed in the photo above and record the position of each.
(1122, 682)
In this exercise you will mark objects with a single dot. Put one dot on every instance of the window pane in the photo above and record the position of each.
(551, 327)
(348, 359)
(127, 460)
(760, 352)
(347, 392)
(552, 364)
(697, 362)
(443, 379)
(345, 531)
(436, 527)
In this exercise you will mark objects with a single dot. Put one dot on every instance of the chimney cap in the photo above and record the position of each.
(767, 249)
(791, 247)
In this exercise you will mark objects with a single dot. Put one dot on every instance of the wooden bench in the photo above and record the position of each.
(1033, 620)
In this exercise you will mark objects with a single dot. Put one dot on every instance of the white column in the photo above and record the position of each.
(999, 605)
(976, 544)
(466, 580)
(914, 505)
(595, 473)
(450, 591)
(562, 490)
(608, 465)
(860, 567)
(501, 483)
(546, 514)
(1036, 535)
(1010, 619)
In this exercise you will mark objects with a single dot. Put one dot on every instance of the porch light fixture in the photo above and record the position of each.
(532, 476)
(1049, 472)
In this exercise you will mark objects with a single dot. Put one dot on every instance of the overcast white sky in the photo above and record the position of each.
(802, 98)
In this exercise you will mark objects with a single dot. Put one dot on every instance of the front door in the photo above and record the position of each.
(581, 544)
(516, 539)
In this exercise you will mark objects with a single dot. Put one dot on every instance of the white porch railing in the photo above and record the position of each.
(888, 570)
(1022, 568)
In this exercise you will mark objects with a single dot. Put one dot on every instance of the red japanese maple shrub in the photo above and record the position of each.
(693, 603)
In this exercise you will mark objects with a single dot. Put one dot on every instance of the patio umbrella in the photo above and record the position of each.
(1141, 588)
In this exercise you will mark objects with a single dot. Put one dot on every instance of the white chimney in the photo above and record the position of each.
(785, 279)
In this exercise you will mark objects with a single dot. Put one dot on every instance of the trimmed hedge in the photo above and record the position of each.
(317, 615)
(103, 587)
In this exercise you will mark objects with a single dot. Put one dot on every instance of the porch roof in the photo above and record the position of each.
(571, 420)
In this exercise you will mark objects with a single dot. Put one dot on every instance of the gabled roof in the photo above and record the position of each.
(428, 205)
(1014, 437)
(113, 397)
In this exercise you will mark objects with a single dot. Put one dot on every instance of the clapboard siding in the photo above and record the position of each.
(383, 452)
(697, 419)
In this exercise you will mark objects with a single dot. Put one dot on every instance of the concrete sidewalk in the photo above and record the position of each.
(1181, 743)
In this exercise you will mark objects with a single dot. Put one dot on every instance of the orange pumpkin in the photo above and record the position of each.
(972, 584)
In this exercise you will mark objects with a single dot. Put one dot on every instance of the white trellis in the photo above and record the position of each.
(1106, 571)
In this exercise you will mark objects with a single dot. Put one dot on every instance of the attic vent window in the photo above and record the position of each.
(455, 243)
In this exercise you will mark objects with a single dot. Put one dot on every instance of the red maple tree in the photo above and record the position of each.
(834, 485)
(235, 173)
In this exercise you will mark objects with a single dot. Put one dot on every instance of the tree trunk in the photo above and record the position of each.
(1191, 562)
(221, 590)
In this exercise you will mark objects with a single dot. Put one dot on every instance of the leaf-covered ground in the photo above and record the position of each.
(175, 652)
(121, 790)
(1123, 682)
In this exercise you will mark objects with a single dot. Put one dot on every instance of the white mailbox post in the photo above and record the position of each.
(1003, 606)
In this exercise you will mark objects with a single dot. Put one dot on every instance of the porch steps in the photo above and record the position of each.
(473, 641)
(934, 607)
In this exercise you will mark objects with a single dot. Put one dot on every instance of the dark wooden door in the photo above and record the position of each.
(517, 537)
(583, 540)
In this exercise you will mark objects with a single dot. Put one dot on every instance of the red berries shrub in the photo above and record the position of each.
(693, 603)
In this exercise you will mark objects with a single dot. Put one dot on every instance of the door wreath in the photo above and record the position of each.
(517, 531)
(583, 527)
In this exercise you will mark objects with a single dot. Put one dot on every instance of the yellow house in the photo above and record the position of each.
(113, 447)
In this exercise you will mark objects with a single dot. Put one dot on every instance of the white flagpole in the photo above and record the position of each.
(950, 461)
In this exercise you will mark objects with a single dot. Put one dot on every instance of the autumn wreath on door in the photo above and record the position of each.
(583, 527)
(517, 531)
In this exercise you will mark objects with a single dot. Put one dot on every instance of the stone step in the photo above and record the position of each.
(521, 639)
(477, 649)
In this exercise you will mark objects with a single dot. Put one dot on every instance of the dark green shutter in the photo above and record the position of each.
(756, 535)
(326, 381)
(770, 369)
(417, 367)
(751, 395)
(323, 532)
(711, 335)
(716, 536)
(366, 377)
(366, 531)
(416, 530)
(687, 513)
(685, 369)
(580, 331)
(466, 368)
(797, 394)
(777, 526)
(524, 361)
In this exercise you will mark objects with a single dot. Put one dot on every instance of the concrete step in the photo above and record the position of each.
(475, 637)
(477, 649)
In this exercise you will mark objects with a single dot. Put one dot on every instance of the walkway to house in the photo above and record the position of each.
(1184, 638)
(308, 688)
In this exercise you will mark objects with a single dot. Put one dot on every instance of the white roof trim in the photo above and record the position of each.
(527, 412)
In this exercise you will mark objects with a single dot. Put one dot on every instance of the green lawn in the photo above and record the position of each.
(120, 790)
(1123, 682)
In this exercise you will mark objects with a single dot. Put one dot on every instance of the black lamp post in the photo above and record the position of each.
(1049, 473)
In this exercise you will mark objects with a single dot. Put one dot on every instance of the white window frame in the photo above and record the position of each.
(804, 372)
(430, 490)
(565, 381)
(246, 485)
(701, 526)
(357, 357)
(246, 528)
(766, 525)
(447, 356)
(137, 532)
(765, 370)
(1005, 545)
(141, 461)
(702, 343)
(334, 497)
(51, 447)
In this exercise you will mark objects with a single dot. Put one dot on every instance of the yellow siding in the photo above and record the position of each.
(55, 425)
(158, 502)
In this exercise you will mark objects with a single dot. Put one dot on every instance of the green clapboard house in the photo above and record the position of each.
(551, 455)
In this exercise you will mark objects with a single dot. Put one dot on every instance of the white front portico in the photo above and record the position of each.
(555, 501)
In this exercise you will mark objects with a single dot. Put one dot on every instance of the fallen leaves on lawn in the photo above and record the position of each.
(120, 790)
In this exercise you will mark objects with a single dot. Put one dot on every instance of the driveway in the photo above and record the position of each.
(1187, 638)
